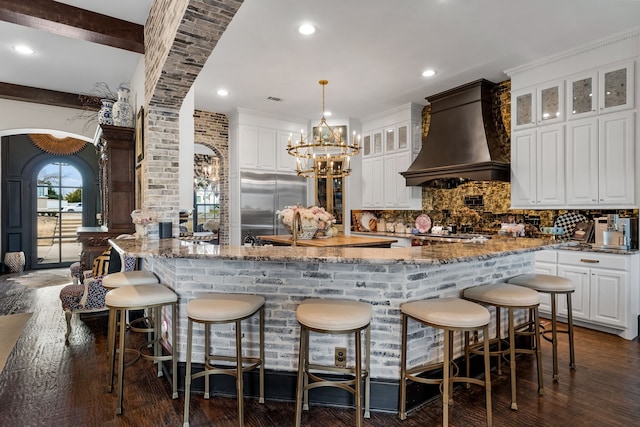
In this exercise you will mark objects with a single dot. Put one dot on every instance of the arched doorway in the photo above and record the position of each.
(59, 213)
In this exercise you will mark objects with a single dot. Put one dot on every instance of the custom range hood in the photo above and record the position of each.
(462, 143)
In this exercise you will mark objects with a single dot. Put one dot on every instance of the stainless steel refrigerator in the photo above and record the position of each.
(261, 195)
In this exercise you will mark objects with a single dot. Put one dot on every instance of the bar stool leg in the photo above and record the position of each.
(487, 373)
(554, 335)
(305, 405)
(403, 370)
(121, 352)
(499, 337)
(261, 400)
(187, 377)
(367, 383)
(301, 373)
(572, 357)
(538, 351)
(157, 316)
(207, 346)
(512, 359)
(358, 379)
(239, 376)
(174, 350)
(445, 379)
(111, 337)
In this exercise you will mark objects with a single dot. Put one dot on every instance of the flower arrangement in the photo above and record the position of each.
(143, 217)
(314, 216)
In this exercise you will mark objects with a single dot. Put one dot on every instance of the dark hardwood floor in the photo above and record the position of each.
(46, 383)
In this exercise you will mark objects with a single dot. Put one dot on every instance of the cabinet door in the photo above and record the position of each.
(366, 145)
(523, 169)
(367, 183)
(390, 181)
(608, 290)
(377, 142)
(550, 103)
(616, 159)
(582, 95)
(582, 162)
(408, 197)
(267, 150)
(249, 148)
(580, 299)
(377, 180)
(616, 86)
(550, 181)
(390, 140)
(545, 298)
(523, 109)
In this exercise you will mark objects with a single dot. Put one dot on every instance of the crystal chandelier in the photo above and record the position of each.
(207, 175)
(325, 152)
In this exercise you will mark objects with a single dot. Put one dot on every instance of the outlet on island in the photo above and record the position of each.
(341, 357)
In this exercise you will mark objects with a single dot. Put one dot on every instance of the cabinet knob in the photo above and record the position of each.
(602, 200)
(593, 200)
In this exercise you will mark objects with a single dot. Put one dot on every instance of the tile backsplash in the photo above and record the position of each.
(483, 205)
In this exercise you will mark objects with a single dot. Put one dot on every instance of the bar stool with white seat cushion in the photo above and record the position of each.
(214, 309)
(126, 278)
(511, 297)
(334, 316)
(141, 297)
(450, 315)
(553, 285)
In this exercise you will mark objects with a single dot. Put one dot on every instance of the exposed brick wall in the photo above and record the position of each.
(285, 285)
(179, 37)
(212, 130)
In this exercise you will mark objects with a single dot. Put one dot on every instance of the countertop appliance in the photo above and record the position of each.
(261, 195)
(613, 232)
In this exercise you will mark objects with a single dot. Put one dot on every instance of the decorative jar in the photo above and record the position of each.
(122, 110)
(105, 115)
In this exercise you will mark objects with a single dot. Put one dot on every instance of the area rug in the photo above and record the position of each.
(10, 329)
(39, 278)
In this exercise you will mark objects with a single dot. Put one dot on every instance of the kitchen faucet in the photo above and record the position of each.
(297, 223)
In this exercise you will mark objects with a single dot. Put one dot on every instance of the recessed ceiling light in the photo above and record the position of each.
(429, 73)
(306, 29)
(327, 113)
(222, 92)
(23, 49)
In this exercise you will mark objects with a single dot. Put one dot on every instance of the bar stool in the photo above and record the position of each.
(450, 315)
(553, 285)
(511, 297)
(141, 297)
(216, 309)
(334, 316)
(116, 280)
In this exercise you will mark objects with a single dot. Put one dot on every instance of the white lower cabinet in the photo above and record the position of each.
(607, 289)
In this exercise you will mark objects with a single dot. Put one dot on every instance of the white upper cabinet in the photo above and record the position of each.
(616, 83)
(616, 159)
(600, 161)
(523, 109)
(285, 162)
(582, 95)
(550, 102)
(537, 168)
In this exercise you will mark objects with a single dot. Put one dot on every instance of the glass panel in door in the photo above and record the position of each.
(59, 208)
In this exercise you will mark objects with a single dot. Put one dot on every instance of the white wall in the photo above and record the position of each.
(136, 99)
(17, 117)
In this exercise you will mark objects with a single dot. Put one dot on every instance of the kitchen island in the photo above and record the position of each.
(385, 278)
(337, 241)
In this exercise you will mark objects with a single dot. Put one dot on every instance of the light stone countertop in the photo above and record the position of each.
(436, 254)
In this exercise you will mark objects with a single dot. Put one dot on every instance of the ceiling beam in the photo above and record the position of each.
(73, 22)
(48, 97)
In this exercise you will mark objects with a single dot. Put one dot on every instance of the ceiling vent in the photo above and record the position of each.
(275, 99)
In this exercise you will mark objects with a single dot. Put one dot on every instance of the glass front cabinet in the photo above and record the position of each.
(330, 189)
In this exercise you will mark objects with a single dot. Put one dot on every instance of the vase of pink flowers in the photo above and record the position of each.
(312, 220)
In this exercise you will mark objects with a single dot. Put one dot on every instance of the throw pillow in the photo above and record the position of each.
(101, 264)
